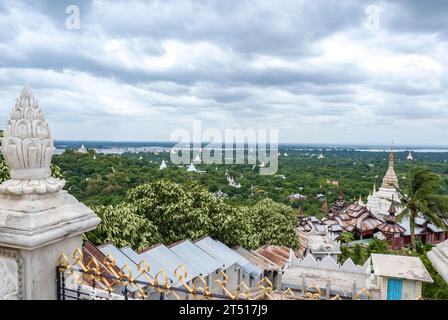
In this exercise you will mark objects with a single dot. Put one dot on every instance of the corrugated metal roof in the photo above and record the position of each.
(155, 266)
(91, 252)
(170, 261)
(202, 261)
(420, 221)
(278, 255)
(257, 259)
(434, 228)
(226, 255)
(120, 260)
(405, 223)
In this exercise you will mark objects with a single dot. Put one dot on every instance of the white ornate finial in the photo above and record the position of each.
(27, 147)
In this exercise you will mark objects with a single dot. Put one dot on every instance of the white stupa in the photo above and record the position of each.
(360, 201)
(197, 159)
(162, 165)
(410, 157)
(191, 168)
(82, 149)
(379, 201)
(321, 156)
(94, 157)
(232, 182)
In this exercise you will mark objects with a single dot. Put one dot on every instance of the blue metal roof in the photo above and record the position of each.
(227, 256)
(169, 262)
(202, 261)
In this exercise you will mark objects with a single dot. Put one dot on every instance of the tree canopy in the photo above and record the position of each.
(423, 194)
(187, 211)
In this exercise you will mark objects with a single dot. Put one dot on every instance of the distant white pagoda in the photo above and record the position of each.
(94, 157)
(162, 165)
(379, 201)
(197, 159)
(321, 156)
(191, 168)
(232, 182)
(360, 201)
(82, 149)
(410, 157)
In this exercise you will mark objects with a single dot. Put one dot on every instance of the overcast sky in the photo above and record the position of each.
(319, 71)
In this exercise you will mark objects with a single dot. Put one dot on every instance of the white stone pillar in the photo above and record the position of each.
(38, 220)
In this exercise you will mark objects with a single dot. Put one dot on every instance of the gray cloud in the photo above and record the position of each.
(309, 68)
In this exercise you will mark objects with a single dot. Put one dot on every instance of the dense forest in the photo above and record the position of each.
(105, 179)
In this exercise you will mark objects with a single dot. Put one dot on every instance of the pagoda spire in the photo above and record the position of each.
(392, 210)
(390, 180)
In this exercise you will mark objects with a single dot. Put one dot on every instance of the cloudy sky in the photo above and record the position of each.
(331, 71)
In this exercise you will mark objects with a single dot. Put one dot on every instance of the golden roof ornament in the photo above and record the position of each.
(27, 147)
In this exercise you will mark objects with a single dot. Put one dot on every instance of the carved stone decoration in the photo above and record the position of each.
(27, 147)
(11, 278)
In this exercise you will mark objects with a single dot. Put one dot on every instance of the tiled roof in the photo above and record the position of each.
(355, 217)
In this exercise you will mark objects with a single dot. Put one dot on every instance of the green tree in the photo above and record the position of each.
(346, 237)
(179, 211)
(275, 223)
(422, 194)
(378, 246)
(122, 226)
(235, 228)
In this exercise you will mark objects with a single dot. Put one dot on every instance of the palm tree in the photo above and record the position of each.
(423, 195)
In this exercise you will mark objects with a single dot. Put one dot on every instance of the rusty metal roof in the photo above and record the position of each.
(279, 255)
(90, 252)
(257, 259)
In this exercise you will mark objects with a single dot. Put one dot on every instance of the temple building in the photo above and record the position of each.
(339, 204)
(391, 230)
(379, 201)
(410, 157)
(355, 219)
